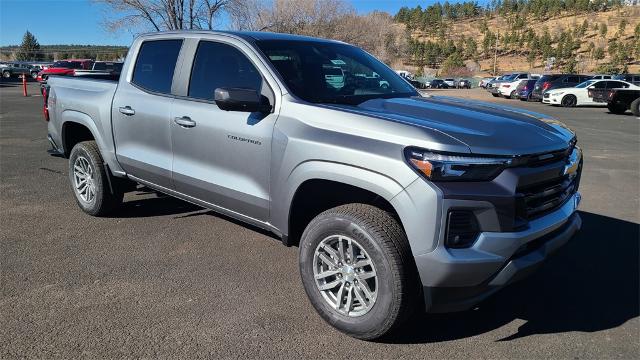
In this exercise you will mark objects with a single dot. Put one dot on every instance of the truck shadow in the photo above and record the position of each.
(592, 284)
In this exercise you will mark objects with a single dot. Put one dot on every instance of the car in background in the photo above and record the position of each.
(15, 69)
(438, 84)
(491, 84)
(450, 82)
(621, 100)
(109, 66)
(64, 67)
(524, 89)
(464, 84)
(582, 94)
(631, 78)
(484, 81)
(507, 87)
(602, 77)
(556, 81)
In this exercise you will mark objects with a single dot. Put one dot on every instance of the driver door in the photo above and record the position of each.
(222, 157)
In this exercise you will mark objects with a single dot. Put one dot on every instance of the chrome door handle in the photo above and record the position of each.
(185, 122)
(127, 110)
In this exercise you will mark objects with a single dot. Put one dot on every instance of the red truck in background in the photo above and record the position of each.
(64, 67)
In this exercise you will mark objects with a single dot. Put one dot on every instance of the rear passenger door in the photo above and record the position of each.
(141, 112)
(222, 157)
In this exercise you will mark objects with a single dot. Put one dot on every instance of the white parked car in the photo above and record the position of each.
(450, 82)
(579, 95)
(507, 88)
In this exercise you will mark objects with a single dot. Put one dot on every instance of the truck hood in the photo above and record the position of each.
(485, 128)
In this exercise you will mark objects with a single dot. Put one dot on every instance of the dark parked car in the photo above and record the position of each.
(438, 84)
(524, 90)
(632, 78)
(555, 81)
(463, 84)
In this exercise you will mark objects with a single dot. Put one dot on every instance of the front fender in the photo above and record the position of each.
(377, 183)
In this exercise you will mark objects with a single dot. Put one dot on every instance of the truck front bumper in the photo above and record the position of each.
(457, 279)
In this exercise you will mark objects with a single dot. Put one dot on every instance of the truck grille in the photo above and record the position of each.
(542, 198)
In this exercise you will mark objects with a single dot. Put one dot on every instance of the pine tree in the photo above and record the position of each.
(29, 49)
(603, 30)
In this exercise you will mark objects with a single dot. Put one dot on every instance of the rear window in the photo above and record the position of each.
(155, 65)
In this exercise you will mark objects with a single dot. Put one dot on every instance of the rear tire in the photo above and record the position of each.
(616, 108)
(6, 74)
(89, 180)
(635, 107)
(369, 308)
(495, 95)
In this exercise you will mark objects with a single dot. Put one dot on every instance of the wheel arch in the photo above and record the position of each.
(317, 186)
(78, 126)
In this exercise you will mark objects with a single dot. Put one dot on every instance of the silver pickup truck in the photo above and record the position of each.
(398, 202)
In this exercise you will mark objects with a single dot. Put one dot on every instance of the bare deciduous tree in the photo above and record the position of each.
(162, 14)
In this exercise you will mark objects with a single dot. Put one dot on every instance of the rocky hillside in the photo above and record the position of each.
(603, 41)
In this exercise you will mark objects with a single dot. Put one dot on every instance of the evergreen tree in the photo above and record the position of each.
(29, 49)
(603, 30)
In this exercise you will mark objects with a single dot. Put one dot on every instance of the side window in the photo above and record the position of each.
(155, 65)
(219, 65)
(573, 79)
(617, 84)
(523, 76)
(600, 85)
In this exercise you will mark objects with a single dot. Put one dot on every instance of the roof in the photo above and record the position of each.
(248, 35)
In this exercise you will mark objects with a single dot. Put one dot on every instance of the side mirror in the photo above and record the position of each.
(237, 99)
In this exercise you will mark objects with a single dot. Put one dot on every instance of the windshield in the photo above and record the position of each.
(325, 72)
(585, 84)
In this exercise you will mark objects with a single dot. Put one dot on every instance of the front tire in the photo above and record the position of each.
(569, 101)
(89, 180)
(6, 74)
(357, 270)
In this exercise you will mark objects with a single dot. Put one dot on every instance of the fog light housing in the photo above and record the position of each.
(462, 229)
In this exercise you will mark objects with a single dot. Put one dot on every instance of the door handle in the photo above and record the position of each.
(127, 110)
(185, 122)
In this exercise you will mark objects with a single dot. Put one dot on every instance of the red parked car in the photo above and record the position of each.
(64, 67)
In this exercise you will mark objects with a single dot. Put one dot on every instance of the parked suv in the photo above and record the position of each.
(397, 202)
(554, 81)
(631, 78)
(525, 88)
(15, 69)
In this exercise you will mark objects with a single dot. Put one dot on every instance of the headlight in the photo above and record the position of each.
(557, 94)
(455, 167)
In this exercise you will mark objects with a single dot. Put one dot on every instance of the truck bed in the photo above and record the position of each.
(84, 100)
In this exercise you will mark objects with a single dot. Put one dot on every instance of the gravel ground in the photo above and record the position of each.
(165, 279)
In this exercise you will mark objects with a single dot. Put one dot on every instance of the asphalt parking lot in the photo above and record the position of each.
(164, 279)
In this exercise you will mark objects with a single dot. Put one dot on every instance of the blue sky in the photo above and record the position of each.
(79, 21)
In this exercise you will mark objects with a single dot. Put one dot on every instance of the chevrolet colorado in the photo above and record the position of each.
(397, 201)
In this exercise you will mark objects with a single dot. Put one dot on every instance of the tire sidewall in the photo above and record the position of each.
(568, 104)
(378, 316)
(92, 207)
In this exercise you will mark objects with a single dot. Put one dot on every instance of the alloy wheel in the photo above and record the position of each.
(345, 275)
(83, 178)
